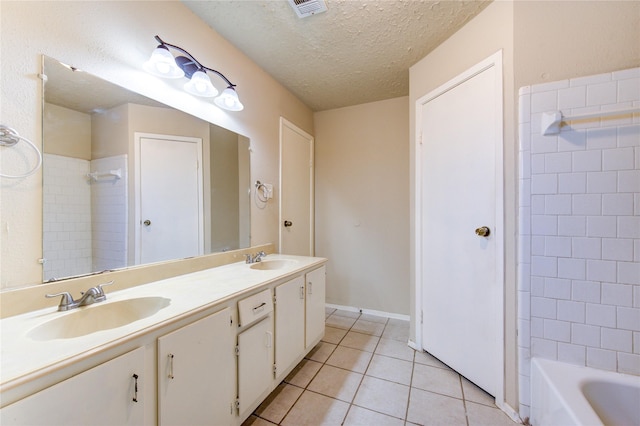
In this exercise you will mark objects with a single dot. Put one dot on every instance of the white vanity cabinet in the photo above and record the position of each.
(112, 393)
(195, 362)
(255, 351)
(196, 373)
(290, 325)
(299, 318)
(315, 282)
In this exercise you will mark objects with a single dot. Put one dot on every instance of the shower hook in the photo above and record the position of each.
(10, 137)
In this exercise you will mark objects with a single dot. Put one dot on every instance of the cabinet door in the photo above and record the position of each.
(289, 324)
(195, 373)
(108, 394)
(255, 364)
(315, 283)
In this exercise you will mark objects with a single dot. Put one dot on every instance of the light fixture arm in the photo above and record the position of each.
(195, 61)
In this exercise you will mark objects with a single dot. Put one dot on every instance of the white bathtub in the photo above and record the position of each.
(564, 394)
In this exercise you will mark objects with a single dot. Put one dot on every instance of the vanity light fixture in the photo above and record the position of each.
(163, 64)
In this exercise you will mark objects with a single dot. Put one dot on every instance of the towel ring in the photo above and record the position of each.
(9, 137)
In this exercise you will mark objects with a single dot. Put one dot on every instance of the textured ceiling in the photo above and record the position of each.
(358, 51)
(84, 92)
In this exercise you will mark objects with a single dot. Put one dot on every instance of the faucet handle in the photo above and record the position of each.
(99, 287)
(66, 302)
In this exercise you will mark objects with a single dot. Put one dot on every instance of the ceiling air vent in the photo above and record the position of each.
(306, 8)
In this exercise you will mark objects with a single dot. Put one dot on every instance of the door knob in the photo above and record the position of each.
(483, 231)
(147, 222)
(287, 223)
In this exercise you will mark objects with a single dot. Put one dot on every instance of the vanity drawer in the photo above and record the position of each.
(255, 307)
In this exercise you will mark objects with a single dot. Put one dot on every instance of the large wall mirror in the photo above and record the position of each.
(129, 181)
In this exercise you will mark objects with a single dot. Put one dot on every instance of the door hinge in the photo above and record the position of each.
(236, 404)
(230, 319)
(275, 369)
(237, 350)
(274, 299)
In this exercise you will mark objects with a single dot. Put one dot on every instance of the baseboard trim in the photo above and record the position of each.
(369, 312)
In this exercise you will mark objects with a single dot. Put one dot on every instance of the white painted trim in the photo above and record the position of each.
(286, 123)
(137, 136)
(494, 60)
(509, 411)
(369, 312)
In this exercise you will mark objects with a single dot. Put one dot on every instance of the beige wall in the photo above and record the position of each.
(557, 40)
(362, 204)
(68, 132)
(112, 40)
(110, 133)
(225, 213)
(541, 41)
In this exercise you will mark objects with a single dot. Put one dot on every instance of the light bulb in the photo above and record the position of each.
(162, 64)
(200, 85)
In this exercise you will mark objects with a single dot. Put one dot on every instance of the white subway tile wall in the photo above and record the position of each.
(66, 217)
(109, 201)
(579, 235)
(85, 222)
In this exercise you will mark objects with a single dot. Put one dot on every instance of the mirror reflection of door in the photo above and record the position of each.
(169, 197)
(296, 190)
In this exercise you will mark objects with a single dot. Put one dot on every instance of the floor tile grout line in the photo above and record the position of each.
(464, 400)
(413, 364)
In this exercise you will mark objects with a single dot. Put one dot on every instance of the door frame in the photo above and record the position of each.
(137, 219)
(286, 123)
(494, 60)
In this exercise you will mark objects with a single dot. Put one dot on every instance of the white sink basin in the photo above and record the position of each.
(272, 265)
(97, 317)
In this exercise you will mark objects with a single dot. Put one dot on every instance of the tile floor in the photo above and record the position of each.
(363, 373)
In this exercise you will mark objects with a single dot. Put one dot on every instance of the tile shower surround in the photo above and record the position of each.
(579, 228)
(67, 217)
(85, 223)
(109, 207)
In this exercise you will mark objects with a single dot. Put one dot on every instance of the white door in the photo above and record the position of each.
(255, 365)
(460, 191)
(296, 190)
(169, 198)
(315, 302)
(196, 373)
(289, 324)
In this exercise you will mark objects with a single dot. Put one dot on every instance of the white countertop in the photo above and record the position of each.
(21, 356)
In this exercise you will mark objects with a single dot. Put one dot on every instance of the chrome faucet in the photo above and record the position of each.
(255, 258)
(93, 295)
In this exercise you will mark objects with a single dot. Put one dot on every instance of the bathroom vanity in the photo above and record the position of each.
(201, 348)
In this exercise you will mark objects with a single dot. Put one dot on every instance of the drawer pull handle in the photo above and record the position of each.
(269, 339)
(310, 287)
(259, 308)
(171, 366)
(135, 387)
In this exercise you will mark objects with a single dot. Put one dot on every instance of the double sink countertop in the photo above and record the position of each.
(31, 343)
